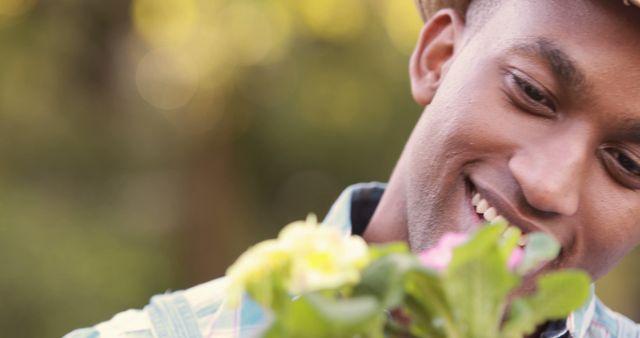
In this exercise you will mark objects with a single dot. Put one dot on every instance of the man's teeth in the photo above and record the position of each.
(476, 199)
(490, 214)
(483, 207)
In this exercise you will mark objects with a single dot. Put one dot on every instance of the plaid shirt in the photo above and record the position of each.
(200, 312)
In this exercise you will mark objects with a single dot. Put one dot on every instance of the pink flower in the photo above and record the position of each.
(439, 256)
(517, 255)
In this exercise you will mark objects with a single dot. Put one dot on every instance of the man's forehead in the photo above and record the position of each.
(599, 65)
(573, 36)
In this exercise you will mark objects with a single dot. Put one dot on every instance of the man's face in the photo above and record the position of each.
(538, 112)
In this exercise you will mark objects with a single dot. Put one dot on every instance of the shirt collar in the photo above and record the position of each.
(354, 207)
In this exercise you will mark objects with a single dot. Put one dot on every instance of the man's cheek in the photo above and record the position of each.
(604, 252)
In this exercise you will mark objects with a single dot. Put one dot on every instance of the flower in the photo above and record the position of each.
(322, 257)
(440, 255)
(305, 257)
(311, 283)
(517, 256)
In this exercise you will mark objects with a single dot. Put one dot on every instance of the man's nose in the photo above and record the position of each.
(550, 172)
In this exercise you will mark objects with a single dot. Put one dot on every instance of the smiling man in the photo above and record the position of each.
(532, 115)
(533, 106)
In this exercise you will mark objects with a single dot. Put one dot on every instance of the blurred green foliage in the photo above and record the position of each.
(147, 143)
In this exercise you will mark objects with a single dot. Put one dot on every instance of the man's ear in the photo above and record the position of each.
(439, 38)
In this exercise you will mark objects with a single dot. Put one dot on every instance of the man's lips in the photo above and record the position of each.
(500, 206)
(492, 207)
(487, 200)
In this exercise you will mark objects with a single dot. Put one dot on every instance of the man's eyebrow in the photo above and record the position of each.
(562, 65)
(630, 129)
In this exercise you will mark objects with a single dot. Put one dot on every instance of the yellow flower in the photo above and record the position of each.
(306, 257)
(322, 258)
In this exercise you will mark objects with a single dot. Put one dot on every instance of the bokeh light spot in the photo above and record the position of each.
(402, 23)
(256, 33)
(166, 79)
(334, 19)
(14, 8)
(165, 22)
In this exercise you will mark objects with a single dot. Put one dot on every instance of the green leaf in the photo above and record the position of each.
(558, 294)
(314, 316)
(380, 250)
(509, 241)
(540, 248)
(486, 237)
(522, 320)
(477, 282)
(384, 278)
(427, 305)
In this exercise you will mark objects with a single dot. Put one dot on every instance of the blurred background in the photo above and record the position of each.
(147, 143)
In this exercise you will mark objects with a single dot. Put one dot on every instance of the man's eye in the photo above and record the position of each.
(530, 90)
(528, 95)
(623, 166)
(627, 163)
